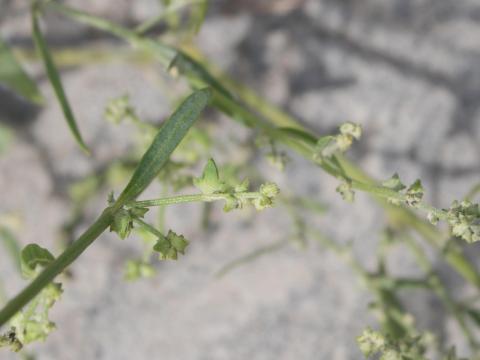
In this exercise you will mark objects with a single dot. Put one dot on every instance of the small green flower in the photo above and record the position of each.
(345, 189)
(394, 183)
(370, 342)
(119, 109)
(10, 339)
(433, 217)
(232, 203)
(262, 202)
(463, 219)
(179, 243)
(122, 223)
(269, 190)
(242, 187)
(209, 182)
(328, 145)
(32, 323)
(351, 129)
(169, 246)
(414, 194)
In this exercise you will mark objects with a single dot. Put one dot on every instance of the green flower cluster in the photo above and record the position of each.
(32, 323)
(236, 196)
(123, 220)
(119, 109)
(375, 344)
(463, 218)
(329, 145)
(170, 246)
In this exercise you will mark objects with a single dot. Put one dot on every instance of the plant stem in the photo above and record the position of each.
(194, 198)
(387, 193)
(149, 227)
(57, 266)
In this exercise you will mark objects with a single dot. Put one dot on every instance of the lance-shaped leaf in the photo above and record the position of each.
(55, 80)
(167, 139)
(15, 78)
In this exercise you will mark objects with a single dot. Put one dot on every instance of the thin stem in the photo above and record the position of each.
(248, 258)
(152, 22)
(57, 266)
(148, 227)
(194, 198)
(387, 193)
(162, 210)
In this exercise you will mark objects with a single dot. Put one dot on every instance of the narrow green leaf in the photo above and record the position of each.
(15, 78)
(167, 139)
(55, 80)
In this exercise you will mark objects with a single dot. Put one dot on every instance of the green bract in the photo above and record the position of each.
(464, 218)
(414, 194)
(169, 246)
(345, 189)
(209, 182)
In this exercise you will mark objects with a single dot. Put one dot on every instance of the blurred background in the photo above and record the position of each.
(408, 71)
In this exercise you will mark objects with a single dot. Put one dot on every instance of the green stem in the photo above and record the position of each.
(149, 228)
(387, 193)
(155, 20)
(57, 266)
(250, 257)
(180, 199)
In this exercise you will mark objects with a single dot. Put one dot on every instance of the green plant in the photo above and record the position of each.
(27, 313)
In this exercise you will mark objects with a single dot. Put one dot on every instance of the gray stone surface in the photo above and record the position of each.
(408, 71)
